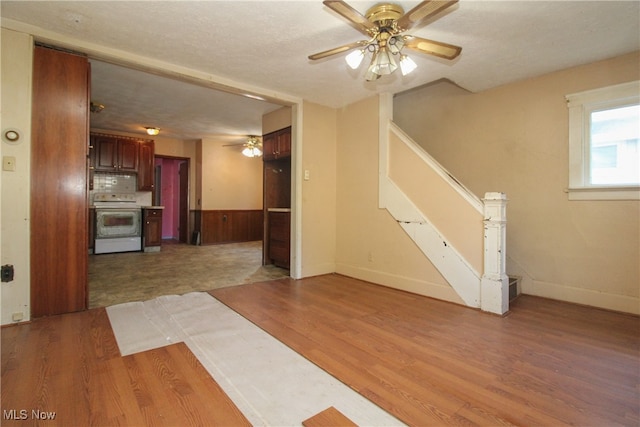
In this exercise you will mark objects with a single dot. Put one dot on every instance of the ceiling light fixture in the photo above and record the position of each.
(251, 148)
(152, 131)
(95, 107)
(384, 49)
(384, 24)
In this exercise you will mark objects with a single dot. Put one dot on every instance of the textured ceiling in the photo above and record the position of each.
(265, 44)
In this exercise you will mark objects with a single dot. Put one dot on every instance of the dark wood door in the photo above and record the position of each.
(127, 155)
(146, 166)
(152, 227)
(269, 146)
(106, 152)
(184, 202)
(284, 143)
(59, 205)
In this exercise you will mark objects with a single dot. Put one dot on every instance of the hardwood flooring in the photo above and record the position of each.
(67, 371)
(425, 361)
(433, 363)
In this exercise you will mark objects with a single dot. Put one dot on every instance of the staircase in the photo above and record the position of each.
(463, 236)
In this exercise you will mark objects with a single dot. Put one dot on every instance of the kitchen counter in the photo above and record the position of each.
(279, 210)
(152, 207)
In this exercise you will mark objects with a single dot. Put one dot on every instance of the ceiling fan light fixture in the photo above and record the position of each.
(395, 43)
(153, 131)
(384, 24)
(383, 62)
(354, 59)
(407, 65)
(252, 151)
(371, 75)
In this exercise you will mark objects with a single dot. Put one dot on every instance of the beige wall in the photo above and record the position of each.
(276, 120)
(318, 202)
(230, 180)
(370, 244)
(16, 70)
(514, 139)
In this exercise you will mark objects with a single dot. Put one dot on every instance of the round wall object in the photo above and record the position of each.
(11, 136)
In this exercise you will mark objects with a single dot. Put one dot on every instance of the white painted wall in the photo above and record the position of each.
(16, 71)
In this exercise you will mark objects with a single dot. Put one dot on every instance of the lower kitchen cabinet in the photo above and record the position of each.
(152, 229)
(279, 237)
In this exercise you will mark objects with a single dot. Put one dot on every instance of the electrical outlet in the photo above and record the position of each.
(6, 273)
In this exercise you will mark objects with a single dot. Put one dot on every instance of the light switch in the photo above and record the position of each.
(306, 174)
(8, 163)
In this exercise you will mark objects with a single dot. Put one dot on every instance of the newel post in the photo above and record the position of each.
(494, 286)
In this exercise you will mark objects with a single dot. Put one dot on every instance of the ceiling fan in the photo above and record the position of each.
(252, 146)
(384, 24)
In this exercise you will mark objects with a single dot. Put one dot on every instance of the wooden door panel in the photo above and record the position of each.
(184, 201)
(128, 155)
(106, 157)
(146, 165)
(59, 206)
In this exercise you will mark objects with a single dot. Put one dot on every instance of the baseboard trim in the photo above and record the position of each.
(607, 301)
(403, 283)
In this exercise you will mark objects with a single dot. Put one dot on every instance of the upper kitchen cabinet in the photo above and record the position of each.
(146, 153)
(277, 145)
(114, 154)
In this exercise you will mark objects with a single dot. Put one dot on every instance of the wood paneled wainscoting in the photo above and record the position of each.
(229, 226)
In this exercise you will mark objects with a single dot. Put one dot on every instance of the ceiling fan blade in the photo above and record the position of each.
(361, 23)
(337, 50)
(423, 11)
(431, 47)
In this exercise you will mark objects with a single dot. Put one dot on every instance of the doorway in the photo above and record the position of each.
(171, 190)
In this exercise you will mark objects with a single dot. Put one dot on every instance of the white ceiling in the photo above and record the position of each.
(265, 44)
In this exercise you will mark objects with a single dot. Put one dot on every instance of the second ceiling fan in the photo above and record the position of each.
(251, 147)
(384, 24)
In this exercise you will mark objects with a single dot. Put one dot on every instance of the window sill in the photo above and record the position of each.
(604, 193)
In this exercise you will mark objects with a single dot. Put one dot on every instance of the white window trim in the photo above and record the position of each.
(580, 104)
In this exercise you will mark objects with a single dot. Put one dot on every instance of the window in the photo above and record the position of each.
(604, 143)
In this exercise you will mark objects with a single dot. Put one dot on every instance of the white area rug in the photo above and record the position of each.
(270, 383)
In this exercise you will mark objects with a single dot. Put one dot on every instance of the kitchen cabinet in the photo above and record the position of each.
(279, 236)
(114, 154)
(277, 145)
(146, 165)
(59, 190)
(152, 229)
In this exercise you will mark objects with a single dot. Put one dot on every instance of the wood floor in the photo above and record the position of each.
(432, 363)
(67, 371)
(425, 361)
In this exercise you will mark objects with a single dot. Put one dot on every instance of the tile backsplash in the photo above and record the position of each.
(114, 183)
(119, 183)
